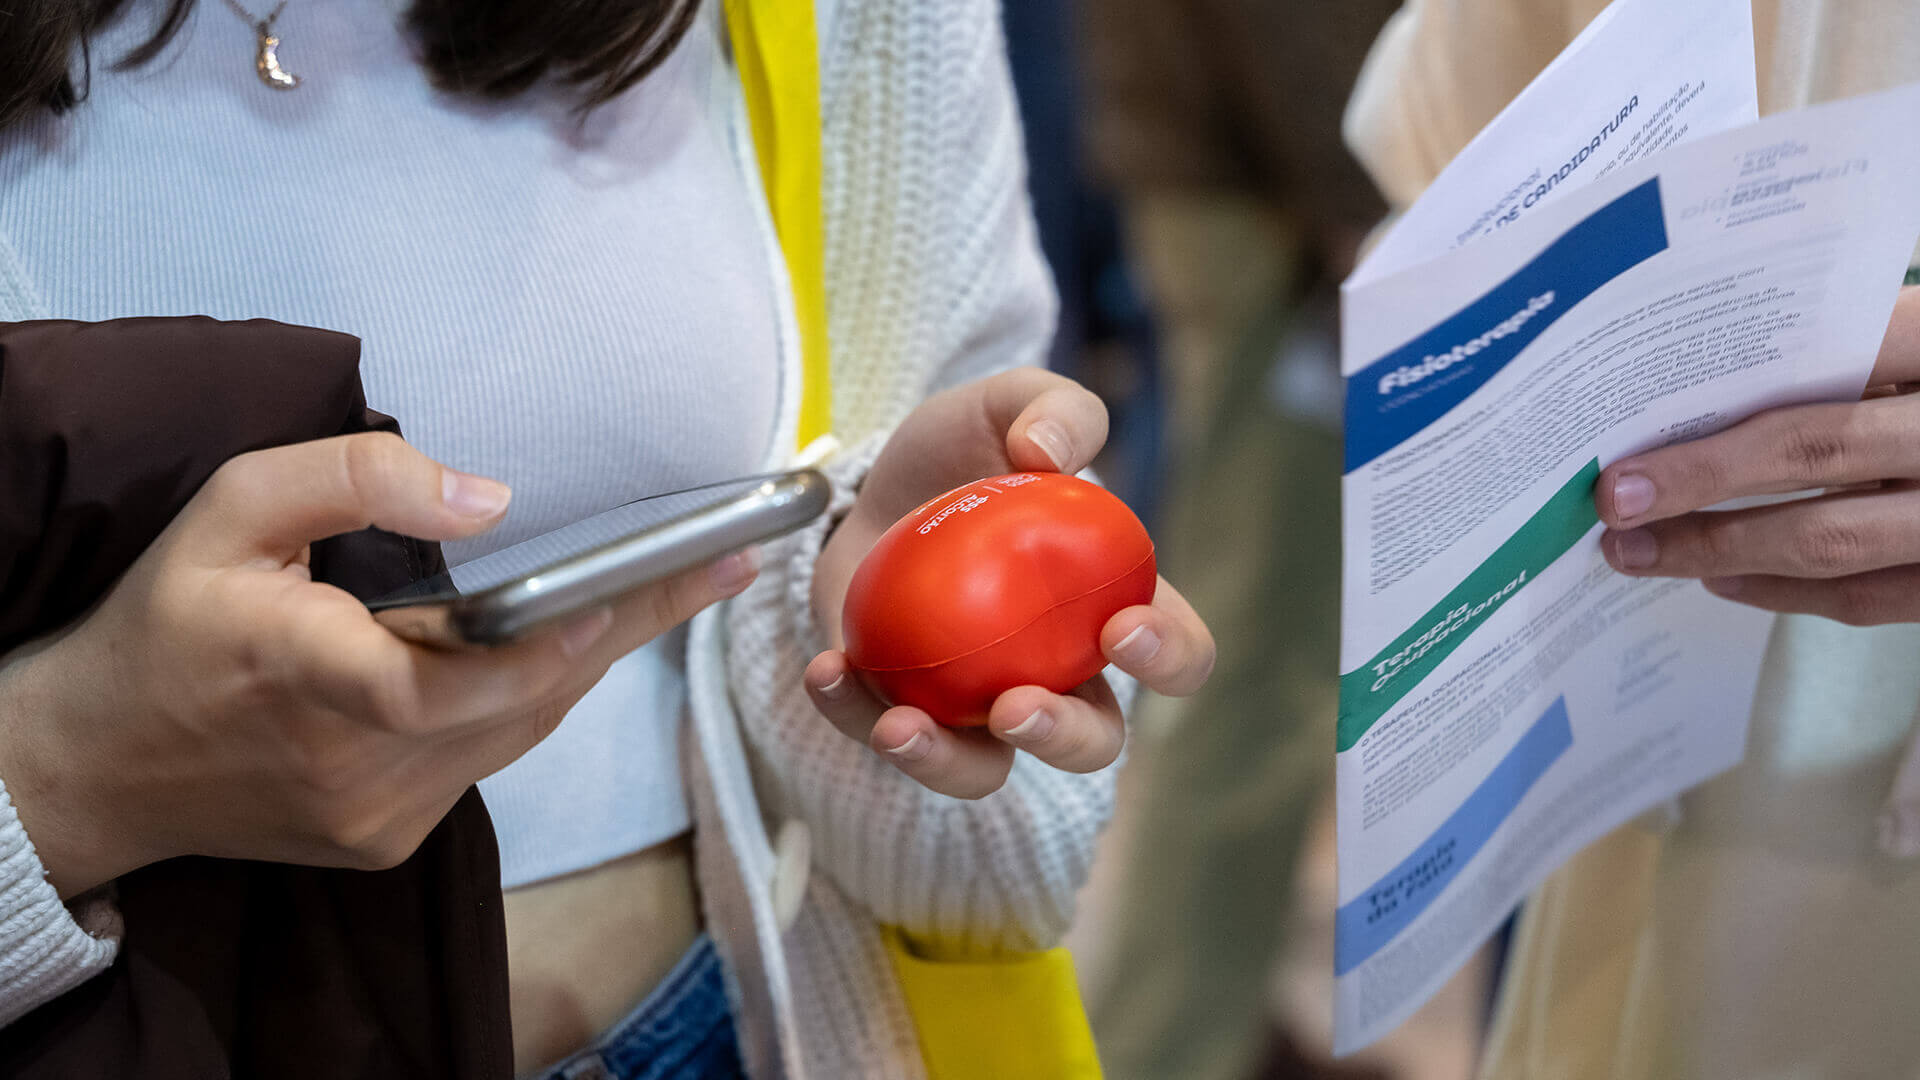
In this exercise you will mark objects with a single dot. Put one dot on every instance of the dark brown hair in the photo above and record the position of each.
(490, 48)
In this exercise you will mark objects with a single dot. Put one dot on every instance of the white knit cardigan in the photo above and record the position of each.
(933, 278)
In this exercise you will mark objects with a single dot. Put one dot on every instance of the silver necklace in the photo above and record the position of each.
(266, 57)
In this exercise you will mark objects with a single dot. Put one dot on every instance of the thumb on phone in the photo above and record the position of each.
(273, 503)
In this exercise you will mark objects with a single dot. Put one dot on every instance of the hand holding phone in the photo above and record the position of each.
(266, 715)
(503, 597)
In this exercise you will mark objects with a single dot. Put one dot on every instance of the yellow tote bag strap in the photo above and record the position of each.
(1016, 1017)
(776, 47)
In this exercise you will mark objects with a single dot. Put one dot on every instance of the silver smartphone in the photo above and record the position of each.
(504, 596)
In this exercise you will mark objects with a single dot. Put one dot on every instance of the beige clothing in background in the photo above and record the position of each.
(1217, 124)
(1762, 936)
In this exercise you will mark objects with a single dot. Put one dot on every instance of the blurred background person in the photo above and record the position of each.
(1216, 124)
(1106, 338)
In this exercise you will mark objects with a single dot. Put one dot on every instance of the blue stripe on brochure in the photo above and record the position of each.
(1396, 397)
(1369, 921)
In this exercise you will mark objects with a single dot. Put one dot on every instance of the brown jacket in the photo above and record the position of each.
(227, 968)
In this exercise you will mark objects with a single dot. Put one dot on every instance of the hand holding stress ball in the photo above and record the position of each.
(982, 601)
(1001, 583)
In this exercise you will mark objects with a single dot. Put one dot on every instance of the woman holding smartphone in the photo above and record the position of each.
(545, 223)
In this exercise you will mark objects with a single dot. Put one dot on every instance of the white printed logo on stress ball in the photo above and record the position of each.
(966, 504)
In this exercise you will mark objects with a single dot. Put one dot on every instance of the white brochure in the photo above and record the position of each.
(1506, 698)
(1643, 76)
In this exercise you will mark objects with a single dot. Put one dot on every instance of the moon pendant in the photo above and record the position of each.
(267, 62)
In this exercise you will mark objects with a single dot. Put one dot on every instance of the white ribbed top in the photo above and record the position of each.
(584, 311)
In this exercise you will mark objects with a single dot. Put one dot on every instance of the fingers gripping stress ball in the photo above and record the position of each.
(1001, 583)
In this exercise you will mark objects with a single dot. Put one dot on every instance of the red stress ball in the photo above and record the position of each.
(1004, 582)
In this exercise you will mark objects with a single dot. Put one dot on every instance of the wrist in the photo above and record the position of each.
(55, 799)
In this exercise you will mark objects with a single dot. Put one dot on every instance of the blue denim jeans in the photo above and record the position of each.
(681, 1031)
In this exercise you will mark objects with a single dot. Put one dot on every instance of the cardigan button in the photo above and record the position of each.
(793, 861)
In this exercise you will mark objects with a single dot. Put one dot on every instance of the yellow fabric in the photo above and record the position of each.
(776, 48)
(1007, 1018)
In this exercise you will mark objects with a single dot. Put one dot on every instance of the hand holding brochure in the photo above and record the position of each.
(1506, 697)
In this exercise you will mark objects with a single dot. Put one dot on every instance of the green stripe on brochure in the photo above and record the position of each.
(1368, 692)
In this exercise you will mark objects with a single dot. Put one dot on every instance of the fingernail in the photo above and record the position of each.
(735, 572)
(1138, 648)
(582, 632)
(1728, 587)
(836, 689)
(1632, 495)
(1050, 437)
(472, 496)
(1636, 549)
(1034, 728)
(914, 749)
